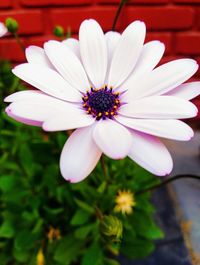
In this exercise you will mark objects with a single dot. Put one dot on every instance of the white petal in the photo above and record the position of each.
(186, 91)
(39, 107)
(23, 95)
(112, 39)
(36, 55)
(48, 81)
(67, 64)
(93, 51)
(159, 107)
(164, 78)
(171, 129)
(73, 44)
(75, 118)
(3, 29)
(126, 53)
(112, 138)
(25, 121)
(150, 153)
(150, 56)
(79, 155)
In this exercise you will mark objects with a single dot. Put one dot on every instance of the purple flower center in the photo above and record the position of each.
(101, 103)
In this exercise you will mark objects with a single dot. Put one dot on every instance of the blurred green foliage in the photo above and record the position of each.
(41, 213)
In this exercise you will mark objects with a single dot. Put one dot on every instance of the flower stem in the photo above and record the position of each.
(121, 5)
(103, 166)
(164, 183)
(18, 40)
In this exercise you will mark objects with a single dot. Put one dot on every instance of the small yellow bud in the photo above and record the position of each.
(40, 257)
(124, 202)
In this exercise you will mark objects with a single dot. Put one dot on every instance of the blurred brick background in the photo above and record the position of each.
(174, 22)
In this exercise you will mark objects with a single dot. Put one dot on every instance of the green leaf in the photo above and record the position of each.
(137, 248)
(84, 231)
(83, 205)
(67, 250)
(21, 255)
(25, 240)
(111, 262)
(146, 227)
(80, 217)
(7, 230)
(26, 159)
(8, 182)
(93, 255)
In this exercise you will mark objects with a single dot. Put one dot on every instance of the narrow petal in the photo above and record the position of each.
(112, 39)
(150, 153)
(73, 44)
(24, 121)
(36, 55)
(126, 53)
(23, 95)
(186, 91)
(79, 155)
(113, 139)
(76, 118)
(67, 64)
(39, 108)
(3, 29)
(171, 129)
(93, 51)
(48, 81)
(159, 107)
(164, 78)
(150, 56)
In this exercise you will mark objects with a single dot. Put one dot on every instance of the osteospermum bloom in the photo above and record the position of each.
(106, 87)
(124, 202)
(3, 29)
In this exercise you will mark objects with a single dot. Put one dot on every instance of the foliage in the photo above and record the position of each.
(42, 213)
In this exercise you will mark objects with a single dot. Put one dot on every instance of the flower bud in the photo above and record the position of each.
(58, 31)
(40, 258)
(111, 227)
(11, 25)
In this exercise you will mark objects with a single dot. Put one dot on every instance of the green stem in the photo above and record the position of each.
(121, 5)
(103, 166)
(19, 41)
(164, 183)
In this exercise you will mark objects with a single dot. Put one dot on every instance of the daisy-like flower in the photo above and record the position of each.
(124, 202)
(3, 29)
(106, 87)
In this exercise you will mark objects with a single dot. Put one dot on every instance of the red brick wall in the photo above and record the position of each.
(175, 22)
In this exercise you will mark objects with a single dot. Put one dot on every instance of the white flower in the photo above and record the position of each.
(3, 29)
(107, 87)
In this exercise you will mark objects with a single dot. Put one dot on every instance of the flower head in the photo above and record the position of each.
(3, 29)
(105, 86)
(124, 202)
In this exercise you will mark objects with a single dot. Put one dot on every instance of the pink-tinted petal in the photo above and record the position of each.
(73, 44)
(150, 153)
(67, 64)
(48, 81)
(186, 91)
(3, 29)
(171, 129)
(40, 107)
(36, 55)
(76, 118)
(126, 53)
(79, 155)
(112, 138)
(25, 121)
(93, 51)
(159, 107)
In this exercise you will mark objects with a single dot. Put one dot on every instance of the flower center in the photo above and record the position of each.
(101, 103)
